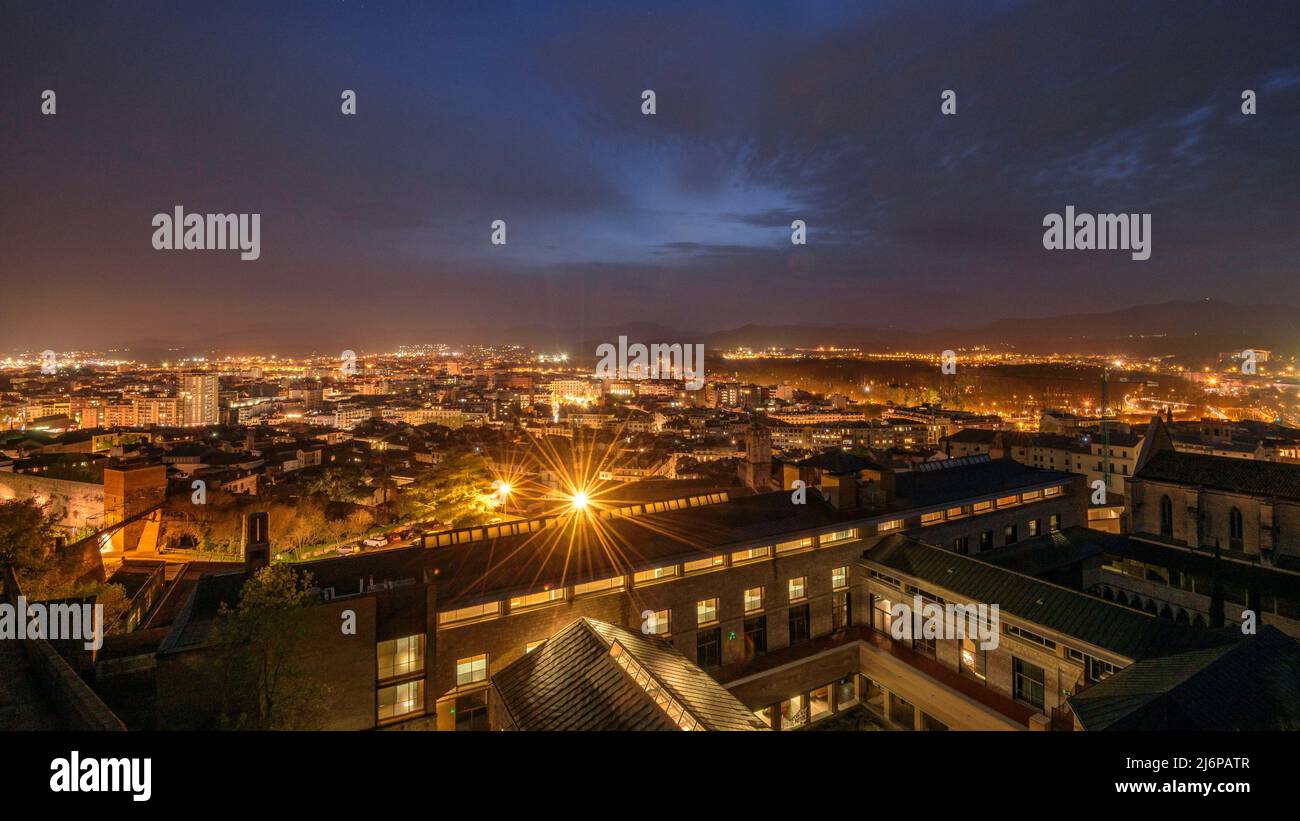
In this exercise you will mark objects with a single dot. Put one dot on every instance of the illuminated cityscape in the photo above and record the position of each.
(704, 367)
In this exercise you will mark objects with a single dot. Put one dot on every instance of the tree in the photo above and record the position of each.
(27, 545)
(265, 688)
(26, 537)
(458, 491)
(338, 483)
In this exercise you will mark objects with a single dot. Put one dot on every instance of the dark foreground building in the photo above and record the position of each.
(786, 606)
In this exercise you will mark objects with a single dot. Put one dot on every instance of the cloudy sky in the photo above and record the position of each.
(376, 228)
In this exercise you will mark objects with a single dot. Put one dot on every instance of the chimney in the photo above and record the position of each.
(257, 542)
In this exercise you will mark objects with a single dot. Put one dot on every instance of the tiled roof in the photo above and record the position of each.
(1123, 631)
(573, 683)
(1251, 685)
(1247, 476)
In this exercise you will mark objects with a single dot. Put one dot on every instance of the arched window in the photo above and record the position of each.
(1166, 517)
(1235, 540)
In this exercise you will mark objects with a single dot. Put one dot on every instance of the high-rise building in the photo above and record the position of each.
(199, 397)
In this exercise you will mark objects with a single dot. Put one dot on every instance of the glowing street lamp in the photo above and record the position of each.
(503, 495)
(579, 500)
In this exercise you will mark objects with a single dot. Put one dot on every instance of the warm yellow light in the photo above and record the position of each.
(504, 488)
(579, 500)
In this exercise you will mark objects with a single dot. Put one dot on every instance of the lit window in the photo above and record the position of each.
(704, 564)
(798, 588)
(840, 578)
(750, 555)
(838, 536)
(400, 657)
(402, 699)
(1031, 495)
(657, 623)
(466, 613)
(931, 518)
(892, 524)
(753, 599)
(973, 659)
(1052, 491)
(982, 507)
(600, 586)
(658, 573)
(797, 544)
(471, 670)
(1008, 501)
(706, 610)
(954, 512)
(535, 599)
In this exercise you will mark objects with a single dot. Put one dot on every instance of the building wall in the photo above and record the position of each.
(74, 504)
(1071, 506)
(1260, 517)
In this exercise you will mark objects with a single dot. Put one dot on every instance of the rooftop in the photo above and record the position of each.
(1273, 479)
(1126, 632)
(1251, 685)
(594, 676)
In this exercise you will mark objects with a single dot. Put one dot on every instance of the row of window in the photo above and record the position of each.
(1010, 534)
(753, 600)
(937, 516)
(474, 534)
(616, 583)
(1027, 678)
(1236, 524)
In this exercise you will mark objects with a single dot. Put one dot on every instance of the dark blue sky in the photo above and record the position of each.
(375, 228)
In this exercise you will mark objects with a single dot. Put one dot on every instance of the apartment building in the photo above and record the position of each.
(200, 395)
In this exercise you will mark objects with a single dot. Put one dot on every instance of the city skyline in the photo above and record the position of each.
(765, 114)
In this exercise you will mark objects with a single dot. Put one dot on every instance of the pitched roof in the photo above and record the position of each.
(836, 460)
(594, 676)
(1126, 632)
(1247, 476)
(1251, 685)
(936, 483)
(973, 436)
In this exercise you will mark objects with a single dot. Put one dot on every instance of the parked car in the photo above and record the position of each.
(346, 550)
(375, 541)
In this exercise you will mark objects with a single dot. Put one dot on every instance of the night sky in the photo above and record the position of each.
(376, 228)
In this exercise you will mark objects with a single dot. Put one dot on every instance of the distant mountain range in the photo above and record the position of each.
(1186, 328)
